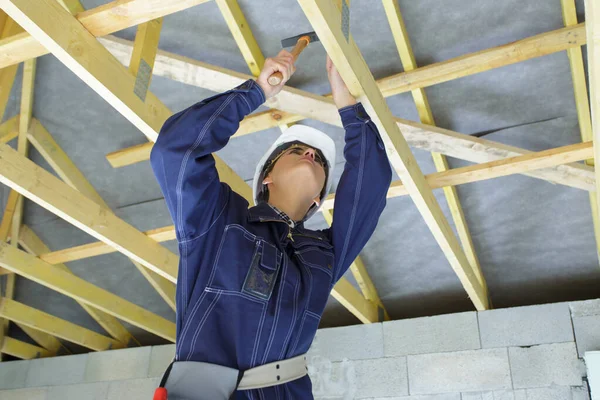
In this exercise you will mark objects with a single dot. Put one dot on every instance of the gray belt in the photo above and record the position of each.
(190, 380)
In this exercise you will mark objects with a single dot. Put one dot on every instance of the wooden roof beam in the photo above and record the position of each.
(418, 135)
(22, 350)
(103, 20)
(494, 169)
(68, 284)
(39, 320)
(489, 170)
(325, 19)
(592, 17)
(396, 22)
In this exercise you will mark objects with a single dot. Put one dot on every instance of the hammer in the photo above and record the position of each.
(300, 42)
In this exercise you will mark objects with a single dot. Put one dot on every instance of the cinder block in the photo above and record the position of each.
(132, 389)
(462, 371)
(580, 393)
(444, 396)
(356, 342)
(118, 364)
(525, 326)
(332, 380)
(160, 358)
(478, 396)
(381, 377)
(13, 374)
(585, 308)
(545, 365)
(87, 391)
(23, 394)
(56, 371)
(520, 394)
(453, 332)
(587, 333)
(549, 393)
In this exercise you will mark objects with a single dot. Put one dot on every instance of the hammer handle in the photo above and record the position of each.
(276, 78)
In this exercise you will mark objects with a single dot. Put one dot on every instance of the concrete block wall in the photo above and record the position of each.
(524, 353)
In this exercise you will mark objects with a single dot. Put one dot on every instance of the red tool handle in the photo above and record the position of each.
(276, 78)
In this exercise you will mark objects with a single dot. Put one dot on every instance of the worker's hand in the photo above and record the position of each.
(284, 63)
(339, 90)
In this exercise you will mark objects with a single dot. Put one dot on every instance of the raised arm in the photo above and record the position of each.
(361, 193)
(181, 157)
(182, 161)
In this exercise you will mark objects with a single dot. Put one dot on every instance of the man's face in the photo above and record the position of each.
(300, 165)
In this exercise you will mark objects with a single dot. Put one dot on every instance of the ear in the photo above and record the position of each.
(267, 180)
(317, 201)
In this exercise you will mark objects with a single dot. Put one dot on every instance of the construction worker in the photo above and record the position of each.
(253, 282)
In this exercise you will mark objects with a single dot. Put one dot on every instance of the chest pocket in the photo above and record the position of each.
(316, 256)
(245, 264)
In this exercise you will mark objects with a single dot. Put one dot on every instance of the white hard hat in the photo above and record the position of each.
(311, 137)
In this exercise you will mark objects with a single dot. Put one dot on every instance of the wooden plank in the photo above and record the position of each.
(592, 16)
(39, 320)
(9, 130)
(365, 310)
(144, 54)
(9, 210)
(429, 138)
(582, 104)
(359, 271)
(8, 74)
(57, 30)
(22, 350)
(485, 60)
(98, 248)
(56, 196)
(396, 22)
(34, 246)
(72, 6)
(60, 162)
(494, 169)
(234, 17)
(66, 283)
(69, 173)
(100, 21)
(325, 20)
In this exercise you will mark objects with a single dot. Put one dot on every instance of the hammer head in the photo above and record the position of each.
(291, 41)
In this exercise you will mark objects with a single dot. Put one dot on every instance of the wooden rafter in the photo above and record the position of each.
(429, 138)
(69, 173)
(41, 321)
(392, 10)
(242, 34)
(34, 246)
(22, 350)
(582, 104)
(592, 17)
(51, 193)
(9, 130)
(103, 20)
(326, 21)
(494, 169)
(8, 73)
(72, 6)
(68, 284)
(144, 54)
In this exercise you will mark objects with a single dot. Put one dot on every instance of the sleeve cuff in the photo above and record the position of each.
(352, 114)
(252, 93)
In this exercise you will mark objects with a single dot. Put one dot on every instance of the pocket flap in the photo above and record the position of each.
(269, 257)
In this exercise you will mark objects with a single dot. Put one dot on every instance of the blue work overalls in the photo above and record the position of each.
(248, 292)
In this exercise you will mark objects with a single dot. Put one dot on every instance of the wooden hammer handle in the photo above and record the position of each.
(276, 78)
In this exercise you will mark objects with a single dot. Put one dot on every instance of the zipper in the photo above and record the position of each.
(289, 235)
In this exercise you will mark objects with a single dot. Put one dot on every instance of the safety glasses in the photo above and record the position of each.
(300, 149)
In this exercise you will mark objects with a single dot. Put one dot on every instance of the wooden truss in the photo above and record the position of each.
(120, 72)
